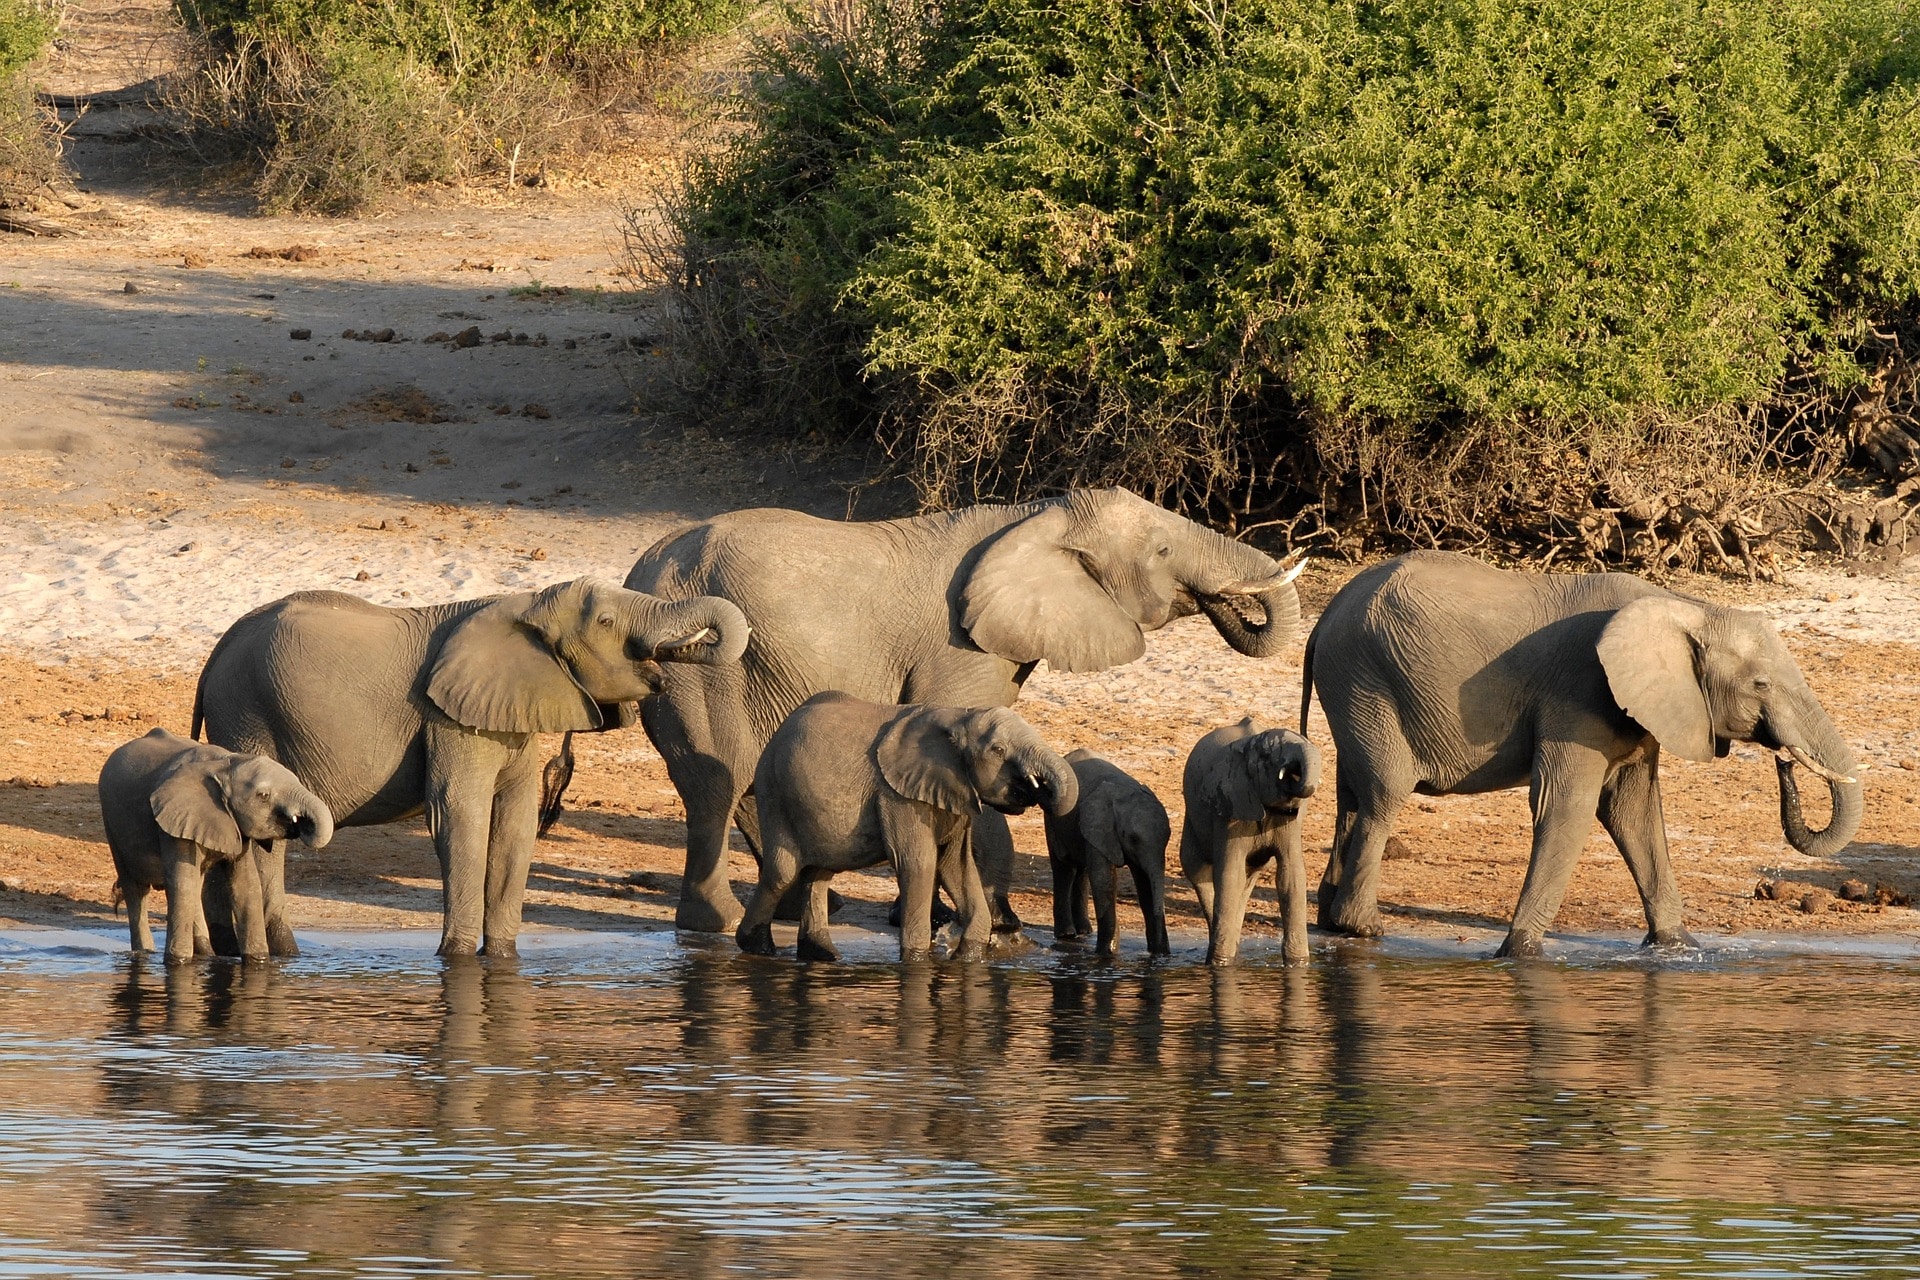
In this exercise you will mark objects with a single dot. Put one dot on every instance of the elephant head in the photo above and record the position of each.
(575, 656)
(1081, 579)
(1272, 772)
(220, 804)
(1698, 677)
(957, 760)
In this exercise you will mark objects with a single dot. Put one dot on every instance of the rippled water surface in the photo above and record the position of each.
(628, 1106)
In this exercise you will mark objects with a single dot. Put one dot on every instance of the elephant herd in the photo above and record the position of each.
(838, 692)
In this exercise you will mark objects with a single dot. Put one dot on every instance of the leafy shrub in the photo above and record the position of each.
(1475, 254)
(25, 28)
(29, 142)
(342, 102)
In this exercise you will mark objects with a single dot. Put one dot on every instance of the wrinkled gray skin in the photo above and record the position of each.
(953, 609)
(388, 712)
(846, 784)
(173, 808)
(1443, 676)
(1118, 822)
(1243, 786)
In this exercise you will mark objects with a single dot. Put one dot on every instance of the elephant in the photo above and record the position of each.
(953, 609)
(1243, 786)
(846, 784)
(172, 808)
(386, 712)
(1117, 822)
(1445, 676)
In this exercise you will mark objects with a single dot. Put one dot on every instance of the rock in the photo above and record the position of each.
(467, 337)
(569, 345)
(1855, 891)
(362, 576)
(536, 411)
(376, 335)
(351, 335)
(130, 287)
(116, 713)
(438, 336)
(1396, 850)
(1910, 764)
(1815, 901)
(1888, 896)
(299, 335)
(505, 335)
(13, 884)
(509, 484)
(294, 397)
(1780, 891)
(288, 464)
(413, 468)
(538, 553)
(192, 259)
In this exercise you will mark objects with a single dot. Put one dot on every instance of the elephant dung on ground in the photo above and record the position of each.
(1444, 676)
(846, 784)
(388, 712)
(1243, 786)
(1118, 822)
(953, 609)
(174, 808)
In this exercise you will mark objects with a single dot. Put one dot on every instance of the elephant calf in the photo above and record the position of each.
(1243, 787)
(1117, 822)
(173, 807)
(846, 784)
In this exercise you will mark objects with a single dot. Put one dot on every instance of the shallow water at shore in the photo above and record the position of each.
(630, 1105)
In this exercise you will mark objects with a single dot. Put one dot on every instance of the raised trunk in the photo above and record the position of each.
(1245, 593)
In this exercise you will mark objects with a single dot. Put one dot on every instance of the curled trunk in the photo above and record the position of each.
(706, 630)
(1847, 806)
(1246, 594)
(1059, 785)
(1803, 730)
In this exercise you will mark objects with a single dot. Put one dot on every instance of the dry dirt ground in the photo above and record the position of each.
(172, 453)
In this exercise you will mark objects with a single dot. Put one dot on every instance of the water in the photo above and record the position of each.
(627, 1106)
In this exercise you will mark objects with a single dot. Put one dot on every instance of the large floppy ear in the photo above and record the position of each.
(191, 804)
(498, 671)
(1029, 596)
(1100, 823)
(1241, 782)
(1650, 653)
(920, 756)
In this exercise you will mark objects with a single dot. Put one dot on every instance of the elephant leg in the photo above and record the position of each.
(960, 876)
(1564, 795)
(1082, 892)
(916, 865)
(139, 932)
(202, 936)
(779, 869)
(513, 827)
(1099, 873)
(1350, 889)
(1630, 810)
(1065, 881)
(460, 819)
(217, 913)
(993, 850)
(249, 906)
(1149, 888)
(183, 899)
(816, 937)
(711, 779)
(271, 859)
(1291, 877)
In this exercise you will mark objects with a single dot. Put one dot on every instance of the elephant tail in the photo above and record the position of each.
(1306, 681)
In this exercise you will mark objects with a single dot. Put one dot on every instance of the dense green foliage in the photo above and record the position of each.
(1186, 244)
(25, 28)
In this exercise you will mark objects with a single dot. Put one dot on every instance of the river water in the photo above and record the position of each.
(633, 1106)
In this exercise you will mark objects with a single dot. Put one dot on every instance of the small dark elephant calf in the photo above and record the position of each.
(1243, 788)
(1118, 822)
(173, 807)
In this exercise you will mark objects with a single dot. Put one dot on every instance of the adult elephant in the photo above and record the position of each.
(954, 609)
(384, 713)
(1445, 676)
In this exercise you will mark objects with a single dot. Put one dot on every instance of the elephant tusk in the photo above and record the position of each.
(705, 635)
(1800, 757)
(1256, 586)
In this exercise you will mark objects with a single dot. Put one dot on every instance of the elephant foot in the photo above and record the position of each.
(914, 955)
(1355, 924)
(500, 949)
(1004, 919)
(1674, 937)
(280, 940)
(968, 950)
(458, 944)
(1222, 960)
(814, 950)
(696, 914)
(1521, 945)
(756, 942)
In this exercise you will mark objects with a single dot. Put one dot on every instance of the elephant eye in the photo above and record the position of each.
(1164, 552)
(606, 619)
(1761, 682)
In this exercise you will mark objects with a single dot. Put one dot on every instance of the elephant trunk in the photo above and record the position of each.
(1058, 785)
(312, 823)
(1808, 738)
(1248, 596)
(706, 630)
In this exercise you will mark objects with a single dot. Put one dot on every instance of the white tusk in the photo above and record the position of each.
(1800, 757)
(1254, 586)
(705, 635)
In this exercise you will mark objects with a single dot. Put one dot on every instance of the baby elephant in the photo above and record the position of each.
(846, 784)
(172, 807)
(1243, 788)
(1118, 822)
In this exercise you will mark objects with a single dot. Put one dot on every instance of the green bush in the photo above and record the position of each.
(1311, 247)
(29, 143)
(25, 28)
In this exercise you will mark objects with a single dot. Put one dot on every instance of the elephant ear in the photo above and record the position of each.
(497, 672)
(191, 804)
(920, 757)
(1100, 823)
(1650, 654)
(1029, 596)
